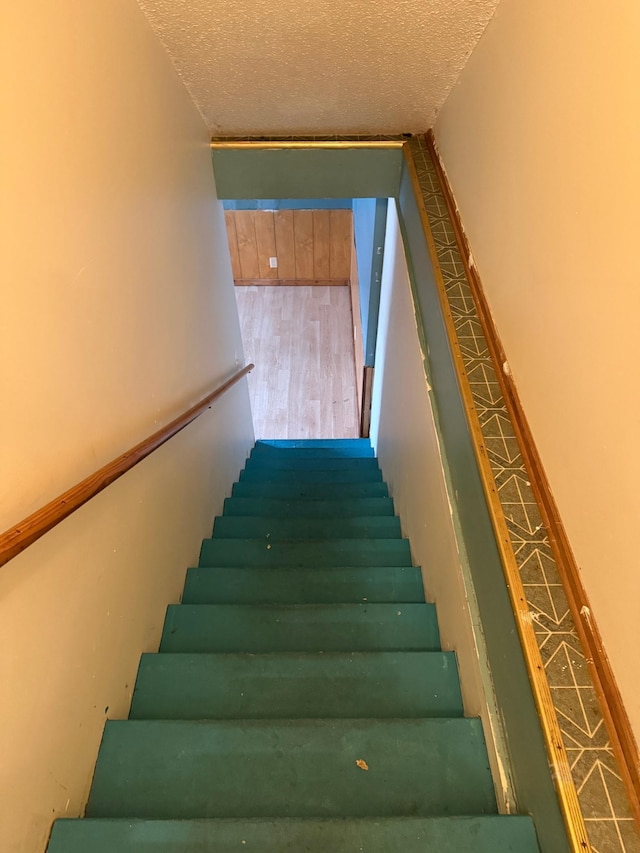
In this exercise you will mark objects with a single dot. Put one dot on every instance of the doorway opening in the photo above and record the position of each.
(296, 266)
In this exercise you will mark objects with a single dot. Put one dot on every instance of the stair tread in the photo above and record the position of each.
(312, 552)
(486, 834)
(300, 628)
(271, 686)
(293, 768)
(245, 585)
(266, 463)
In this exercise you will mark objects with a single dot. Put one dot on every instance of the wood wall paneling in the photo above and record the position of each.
(232, 237)
(321, 243)
(266, 244)
(303, 236)
(247, 245)
(285, 243)
(340, 259)
(311, 246)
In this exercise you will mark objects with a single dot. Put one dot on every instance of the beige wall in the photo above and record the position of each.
(540, 141)
(403, 431)
(117, 312)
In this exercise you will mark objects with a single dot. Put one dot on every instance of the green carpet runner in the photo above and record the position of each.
(300, 700)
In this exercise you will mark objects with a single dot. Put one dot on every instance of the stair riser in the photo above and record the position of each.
(273, 508)
(300, 586)
(291, 769)
(202, 687)
(309, 491)
(330, 628)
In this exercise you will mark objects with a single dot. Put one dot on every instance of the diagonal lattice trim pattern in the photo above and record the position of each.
(602, 795)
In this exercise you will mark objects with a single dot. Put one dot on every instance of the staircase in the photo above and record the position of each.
(300, 700)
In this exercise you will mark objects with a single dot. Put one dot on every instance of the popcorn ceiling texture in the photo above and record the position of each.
(331, 66)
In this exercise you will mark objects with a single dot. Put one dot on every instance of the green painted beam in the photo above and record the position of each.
(307, 173)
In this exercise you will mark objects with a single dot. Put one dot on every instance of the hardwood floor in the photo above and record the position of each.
(301, 341)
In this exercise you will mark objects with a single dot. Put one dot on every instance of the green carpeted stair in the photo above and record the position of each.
(300, 700)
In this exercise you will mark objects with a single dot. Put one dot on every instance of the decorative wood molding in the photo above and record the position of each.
(291, 282)
(615, 715)
(327, 144)
(556, 752)
(19, 537)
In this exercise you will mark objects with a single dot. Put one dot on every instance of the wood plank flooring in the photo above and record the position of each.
(301, 341)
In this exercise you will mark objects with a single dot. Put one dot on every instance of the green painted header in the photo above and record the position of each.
(307, 172)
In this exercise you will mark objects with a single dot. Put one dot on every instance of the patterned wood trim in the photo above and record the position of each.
(557, 754)
(613, 709)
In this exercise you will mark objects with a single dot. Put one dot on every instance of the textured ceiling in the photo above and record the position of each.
(321, 66)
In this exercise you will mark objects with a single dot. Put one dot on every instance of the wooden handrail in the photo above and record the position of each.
(19, 537)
